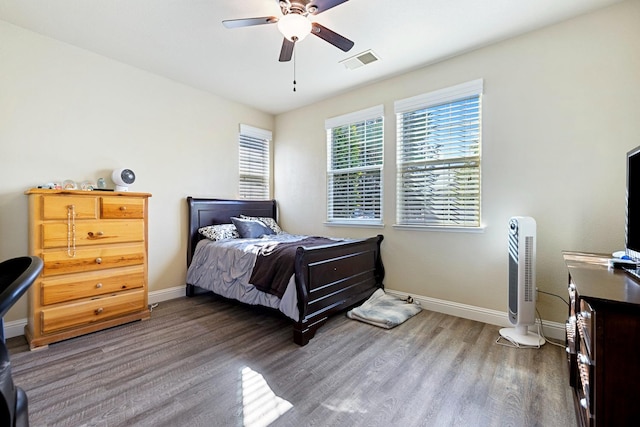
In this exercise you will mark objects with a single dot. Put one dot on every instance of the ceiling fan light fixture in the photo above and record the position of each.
(294, 27)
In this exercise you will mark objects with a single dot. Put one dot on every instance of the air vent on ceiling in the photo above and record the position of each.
(364, 58)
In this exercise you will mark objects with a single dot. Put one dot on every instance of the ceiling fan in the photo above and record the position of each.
(294, 24)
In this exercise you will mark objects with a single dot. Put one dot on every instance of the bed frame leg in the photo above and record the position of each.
(300, 338)
(303, 332)
(190, 290)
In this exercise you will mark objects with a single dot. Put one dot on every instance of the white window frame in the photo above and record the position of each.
(254, 163)
(438, 184)
(371, 213)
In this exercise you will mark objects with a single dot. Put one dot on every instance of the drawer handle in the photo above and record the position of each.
(584, 359)
(98, 260)
(98, 311)
(98, 285)
(123, 208)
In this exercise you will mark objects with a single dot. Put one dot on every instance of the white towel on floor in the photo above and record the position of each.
(384, 310)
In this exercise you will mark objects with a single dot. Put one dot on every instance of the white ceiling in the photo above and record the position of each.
(185, 41)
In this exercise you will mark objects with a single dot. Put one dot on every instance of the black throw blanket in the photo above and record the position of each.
(275, 264)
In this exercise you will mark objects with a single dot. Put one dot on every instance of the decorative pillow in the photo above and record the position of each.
(219, 232)
(269, 222)
(250, 228)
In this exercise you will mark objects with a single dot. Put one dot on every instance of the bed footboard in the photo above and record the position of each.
(332, 278)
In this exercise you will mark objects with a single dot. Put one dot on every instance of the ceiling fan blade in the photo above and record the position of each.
(248, 22)
(332, 37)
(322, 5)
(287, 50)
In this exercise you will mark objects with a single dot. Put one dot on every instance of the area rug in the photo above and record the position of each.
(385, 311)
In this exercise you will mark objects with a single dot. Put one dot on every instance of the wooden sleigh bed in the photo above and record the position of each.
(328, 278)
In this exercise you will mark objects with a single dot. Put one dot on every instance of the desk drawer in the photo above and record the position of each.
(92, 259)
(79, 286)
(91, 311)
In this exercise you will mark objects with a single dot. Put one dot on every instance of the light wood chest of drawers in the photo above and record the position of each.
(94, 248)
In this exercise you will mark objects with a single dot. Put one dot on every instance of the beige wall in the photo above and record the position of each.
(66, 113)
(561, 108)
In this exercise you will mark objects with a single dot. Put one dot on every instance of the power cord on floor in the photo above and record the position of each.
(541, 331)
(152, 306)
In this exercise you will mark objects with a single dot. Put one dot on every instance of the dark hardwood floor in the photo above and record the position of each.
(204, 361)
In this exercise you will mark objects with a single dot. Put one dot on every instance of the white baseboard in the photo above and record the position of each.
(15, 328)
(552, 330)
(167, 294)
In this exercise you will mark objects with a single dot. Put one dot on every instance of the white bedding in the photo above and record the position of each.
(225, 267)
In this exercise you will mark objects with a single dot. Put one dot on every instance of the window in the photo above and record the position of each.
(254, 162)
(354, 167)
(438, 164)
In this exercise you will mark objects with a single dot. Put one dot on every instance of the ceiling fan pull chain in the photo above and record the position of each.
(294, 71)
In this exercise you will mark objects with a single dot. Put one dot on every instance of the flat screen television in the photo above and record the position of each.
(632, 226)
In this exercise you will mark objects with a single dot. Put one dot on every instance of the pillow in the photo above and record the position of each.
(269, 222)
(219, 232)
(250, 228)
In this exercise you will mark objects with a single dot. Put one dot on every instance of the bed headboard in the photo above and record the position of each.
(203, 212)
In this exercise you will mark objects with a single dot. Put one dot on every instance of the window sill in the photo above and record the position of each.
(440, 228)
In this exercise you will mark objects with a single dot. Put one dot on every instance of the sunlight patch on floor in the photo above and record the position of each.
(260, 405)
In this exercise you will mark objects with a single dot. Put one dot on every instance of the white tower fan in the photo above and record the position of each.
(522, 283)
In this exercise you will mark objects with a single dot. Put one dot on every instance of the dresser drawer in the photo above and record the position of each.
(81, 207)
(573, 304)
(121, 207)
(86, 285)
(91, 311)
(585, 320)
(585, 372)
(92, 259)
(93, 232)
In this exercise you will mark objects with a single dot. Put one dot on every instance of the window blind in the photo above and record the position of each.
(354, 166)
(438, 157)
(254, 162)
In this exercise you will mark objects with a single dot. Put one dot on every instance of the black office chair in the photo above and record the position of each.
(16, 275)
